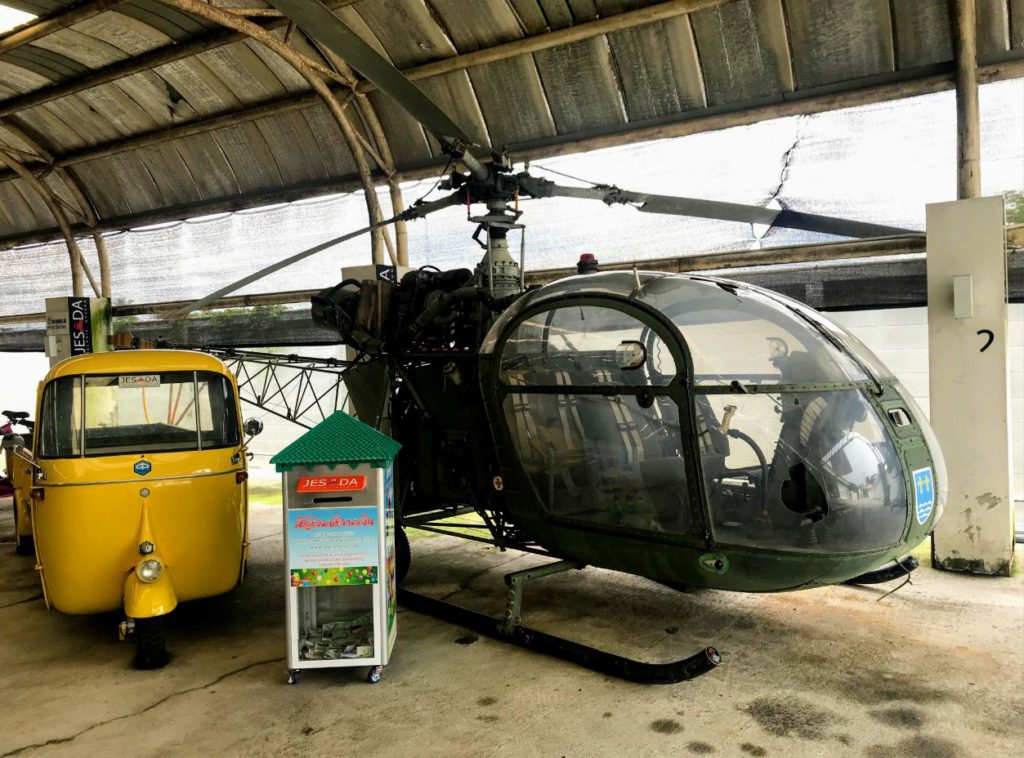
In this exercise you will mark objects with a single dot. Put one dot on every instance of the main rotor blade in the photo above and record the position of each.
(747, 214)
(416, 211)
(323, 26)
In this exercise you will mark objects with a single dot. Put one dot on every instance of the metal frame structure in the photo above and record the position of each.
(299, 389)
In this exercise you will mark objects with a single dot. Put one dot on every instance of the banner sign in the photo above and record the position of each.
(331, 484)
(341, 540)
(79, 326)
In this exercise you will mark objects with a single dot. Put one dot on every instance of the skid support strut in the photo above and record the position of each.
(516, 583)
(509, 629)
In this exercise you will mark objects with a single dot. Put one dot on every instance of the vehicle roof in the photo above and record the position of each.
(137, 362)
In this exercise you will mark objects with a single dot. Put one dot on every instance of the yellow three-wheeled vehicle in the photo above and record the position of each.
(139, 491)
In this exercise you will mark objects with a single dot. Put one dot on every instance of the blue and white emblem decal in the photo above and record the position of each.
(924, 493)
(142, 467)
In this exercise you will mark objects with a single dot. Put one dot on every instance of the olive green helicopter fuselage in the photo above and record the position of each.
(690, 430)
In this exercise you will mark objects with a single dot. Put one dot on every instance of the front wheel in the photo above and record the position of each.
(150, 648)
(22, 545)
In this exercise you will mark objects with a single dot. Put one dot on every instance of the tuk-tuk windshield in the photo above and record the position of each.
(118, 414)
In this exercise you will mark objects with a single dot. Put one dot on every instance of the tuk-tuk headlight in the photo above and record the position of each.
(150, 570)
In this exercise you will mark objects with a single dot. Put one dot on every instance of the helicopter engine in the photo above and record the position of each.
(417, 344)
(373, 316)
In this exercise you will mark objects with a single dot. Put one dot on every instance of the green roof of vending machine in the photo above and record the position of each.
(337, 439)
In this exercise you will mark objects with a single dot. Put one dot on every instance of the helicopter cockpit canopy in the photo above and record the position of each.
(664, 403)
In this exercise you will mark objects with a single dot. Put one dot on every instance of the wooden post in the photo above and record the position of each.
(85, 204)
(78, 264)
(311, 71)
(968, 118)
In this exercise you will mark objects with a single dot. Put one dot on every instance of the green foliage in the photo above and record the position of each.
(121, 324)
(1014, 201)
(256, 314)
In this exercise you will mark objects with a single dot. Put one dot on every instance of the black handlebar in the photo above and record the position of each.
(19, 417)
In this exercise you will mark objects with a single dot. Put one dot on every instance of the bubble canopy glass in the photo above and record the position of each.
(594, 373)
(734, 332)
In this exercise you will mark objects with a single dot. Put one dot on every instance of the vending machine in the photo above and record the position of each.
(339, 547)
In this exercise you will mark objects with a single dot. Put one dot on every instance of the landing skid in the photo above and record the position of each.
(898, 570)
(509, 629)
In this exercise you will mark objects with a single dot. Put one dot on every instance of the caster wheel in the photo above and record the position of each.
(373, 675)
(293, 677)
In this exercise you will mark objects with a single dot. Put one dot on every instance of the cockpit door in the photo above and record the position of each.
(591, 397)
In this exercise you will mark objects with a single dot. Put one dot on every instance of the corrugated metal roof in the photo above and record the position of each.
(737, 55)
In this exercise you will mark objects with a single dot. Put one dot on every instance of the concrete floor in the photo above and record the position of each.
(935, 670)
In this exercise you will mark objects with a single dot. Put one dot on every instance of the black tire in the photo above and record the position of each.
(403, 555)
(22, 545)
(243, 571)
(150, 649)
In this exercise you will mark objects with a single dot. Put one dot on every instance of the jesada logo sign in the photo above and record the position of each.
(79, 327)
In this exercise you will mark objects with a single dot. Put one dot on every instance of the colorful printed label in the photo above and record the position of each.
(333, 577)
(924, 493)
(390, 558)
(332, 538)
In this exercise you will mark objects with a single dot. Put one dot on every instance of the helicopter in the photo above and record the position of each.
(695, 431)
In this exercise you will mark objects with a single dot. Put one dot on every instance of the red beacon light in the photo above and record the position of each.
(587, 264)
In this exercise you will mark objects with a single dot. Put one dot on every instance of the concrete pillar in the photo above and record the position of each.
(969, 378)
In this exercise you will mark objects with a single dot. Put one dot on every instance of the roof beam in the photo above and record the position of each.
(895, 86)
(548, 40)
(176, 52)
(34, 30)
(145, 62)
(907, 244)
(868, 248)
(198, 208)
(159, 135)
(911, 244)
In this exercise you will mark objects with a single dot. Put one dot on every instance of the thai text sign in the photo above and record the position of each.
(332, 538)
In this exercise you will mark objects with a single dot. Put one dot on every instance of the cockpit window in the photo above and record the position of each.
(585, 345)
(738, 334)
(840, 333)
(614, 462)
(808, 471)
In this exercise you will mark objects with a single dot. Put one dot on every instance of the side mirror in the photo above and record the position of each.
(252, 427)
(13, 442)
(16, 444)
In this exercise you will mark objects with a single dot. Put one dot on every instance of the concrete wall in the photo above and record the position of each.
(900, 338)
